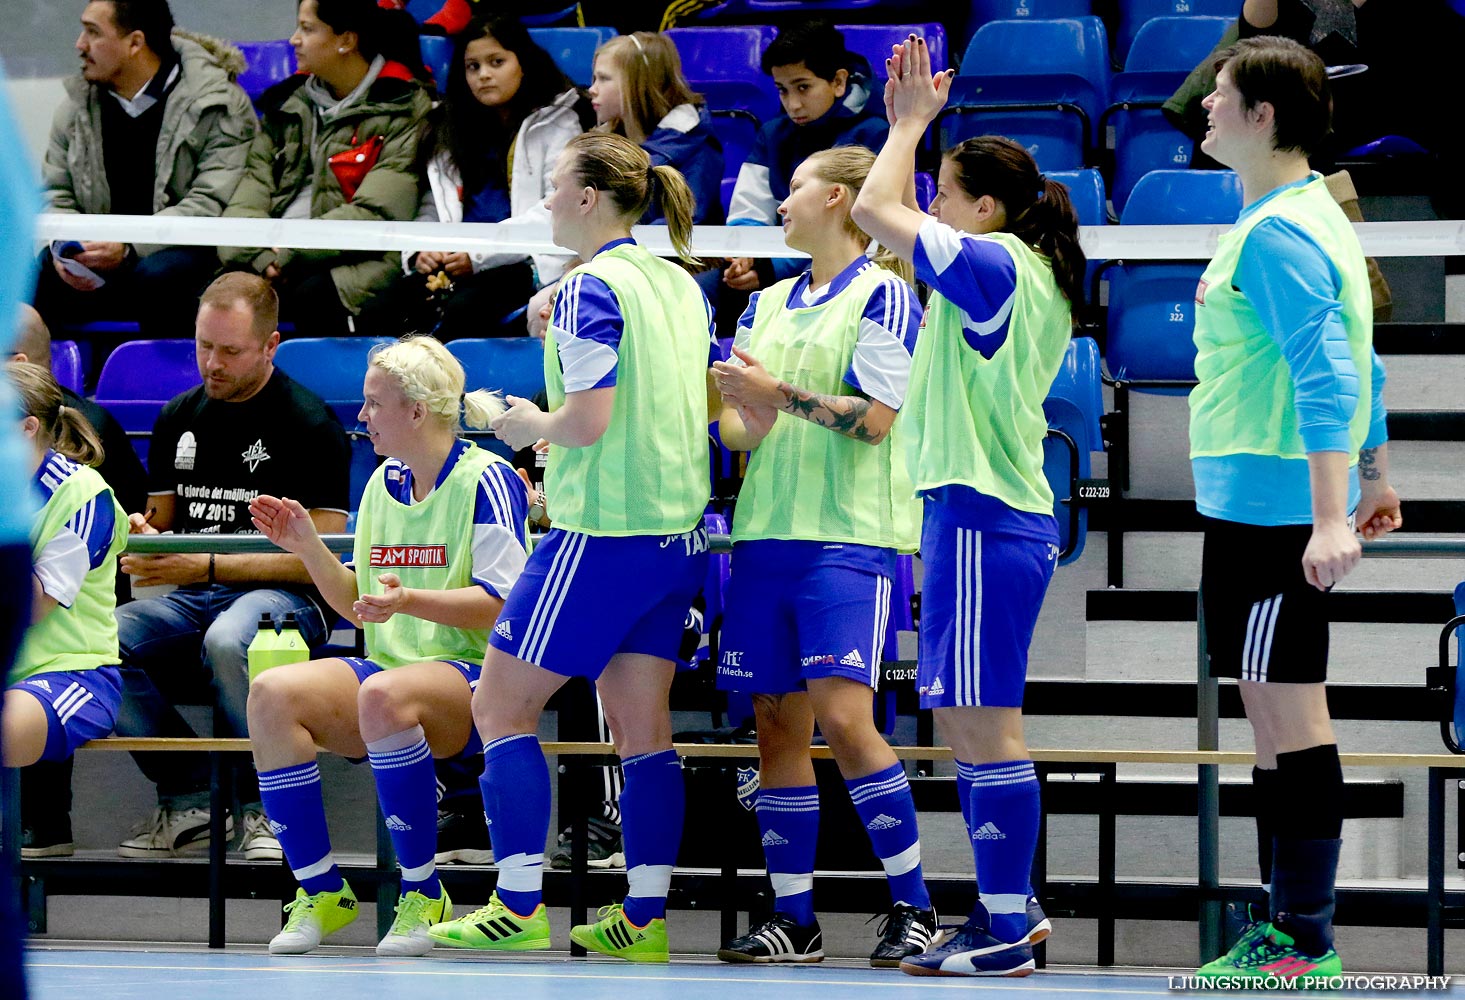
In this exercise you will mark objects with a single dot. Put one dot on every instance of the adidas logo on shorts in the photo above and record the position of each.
(772, 839)
(882, 822)
(395, 823)
(934, 688)
(988, 831)
(502, 628)
(853, 659)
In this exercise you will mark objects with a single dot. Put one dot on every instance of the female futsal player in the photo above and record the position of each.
(440, 539)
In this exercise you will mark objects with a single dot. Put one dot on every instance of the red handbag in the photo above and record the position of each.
(352, 165)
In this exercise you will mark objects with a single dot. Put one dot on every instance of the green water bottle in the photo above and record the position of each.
(271, 649)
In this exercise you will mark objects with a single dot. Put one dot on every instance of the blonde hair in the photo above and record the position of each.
(428, 374)
(849, 166)
(616, 165)
(651, 78)
(63, 428)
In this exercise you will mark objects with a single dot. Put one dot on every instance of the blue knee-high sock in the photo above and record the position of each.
(965, 773)
(406, 787)
(292, 800)
(515, 787)
(789, 819)
(884, 802)
(653, 802)
(1005, 815)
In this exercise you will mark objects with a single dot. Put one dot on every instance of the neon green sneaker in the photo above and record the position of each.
(616, 936)
(415, 914)
(1272, 953)
(495, 927)
(312, 918)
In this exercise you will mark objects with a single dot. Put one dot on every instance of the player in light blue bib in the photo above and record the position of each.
(440, 540)
(1004, 263)
(820, 369)
(64, 688)
(605, 594)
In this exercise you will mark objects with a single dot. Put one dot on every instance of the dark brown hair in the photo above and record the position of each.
(1039, 211)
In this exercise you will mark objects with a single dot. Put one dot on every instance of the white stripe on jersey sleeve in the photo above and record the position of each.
(62, 566)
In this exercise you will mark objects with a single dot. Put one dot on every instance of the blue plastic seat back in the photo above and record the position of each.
(573, 49)
(139, 377)
(266, 64)
(66, 364)
(873, 41)
(333, 368)
(1059, 61)
(724, 65)
(513, 365)
(1134, 13)
(1086, 191)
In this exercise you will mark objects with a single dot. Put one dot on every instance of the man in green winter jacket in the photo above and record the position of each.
(153, 125)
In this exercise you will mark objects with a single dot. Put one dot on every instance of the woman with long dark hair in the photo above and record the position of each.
(508, 114)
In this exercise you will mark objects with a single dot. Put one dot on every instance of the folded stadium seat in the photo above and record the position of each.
(139, 377)
(266, 64)
(724, 65)
(1042, 83)
(873, 41)
(1134, 13)
(66, 364)
(437, 56)
(1152, 303)
(573, 49)
(1073, 408)
(1163, 54)
(333, 369)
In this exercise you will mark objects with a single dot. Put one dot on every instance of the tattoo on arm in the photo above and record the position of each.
(847, 415)
(1368, 464)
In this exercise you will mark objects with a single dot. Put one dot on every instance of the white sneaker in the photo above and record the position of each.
(170, 832)
(259, 842)
(415, 914)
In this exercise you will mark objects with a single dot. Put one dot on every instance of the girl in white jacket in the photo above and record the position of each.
(508, 113)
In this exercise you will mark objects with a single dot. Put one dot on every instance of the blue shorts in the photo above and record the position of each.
(81, 705)
(980, 599)
(791, 619)
(364, 668)
(582, 599)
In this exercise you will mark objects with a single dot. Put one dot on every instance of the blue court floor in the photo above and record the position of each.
(63, 974)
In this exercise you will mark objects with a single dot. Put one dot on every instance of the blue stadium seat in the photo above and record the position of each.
(66, 364)
(1134, 13)
(1152, 304)
(266, 64)
(139, 377)
(437, 55)
(1086, 191)
(573, 49)
(333, 368)
(1042, 83)
(1164, 52)
(724, 64)
(1072, 408)
(873, 41)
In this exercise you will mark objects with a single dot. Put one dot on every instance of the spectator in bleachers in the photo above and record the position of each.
(426, 621)
(249, 429)
(153, 125)
(824, 90)
(508, 114)
(338, 141)
(64, 688)
(1003, 260)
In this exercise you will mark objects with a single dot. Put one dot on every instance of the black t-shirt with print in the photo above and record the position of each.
(215, 457)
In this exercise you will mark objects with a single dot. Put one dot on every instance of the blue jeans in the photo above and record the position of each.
(191, 646)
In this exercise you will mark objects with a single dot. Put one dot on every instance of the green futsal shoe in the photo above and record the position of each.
(616, 936)
(1271, 954)
(495, 927)
(312, 918)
